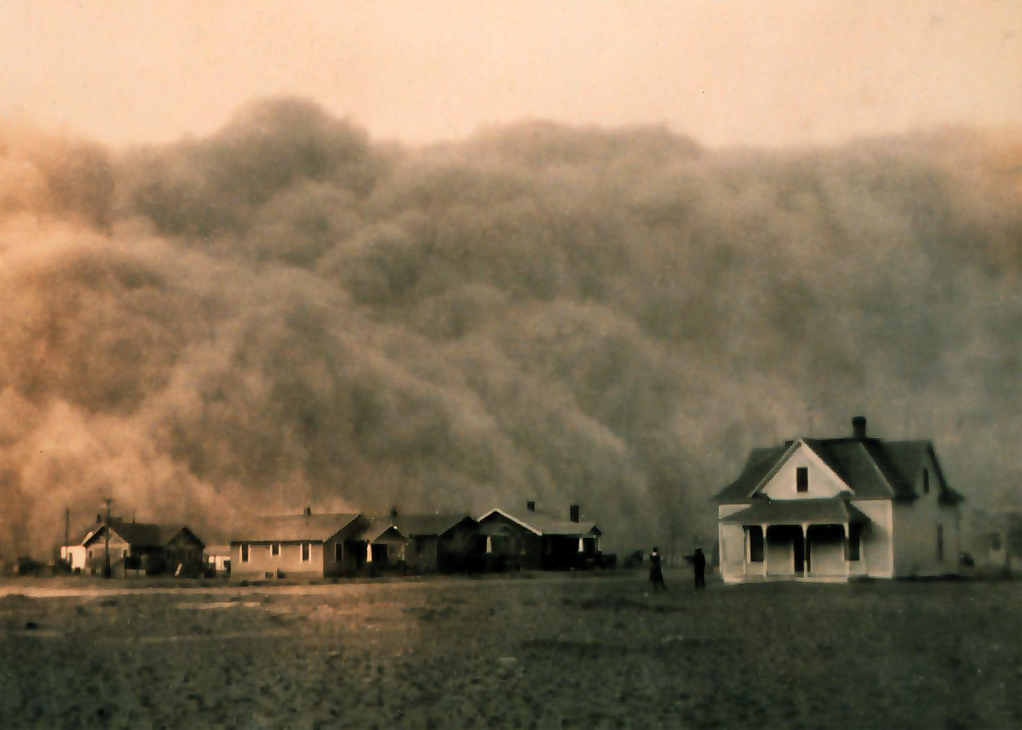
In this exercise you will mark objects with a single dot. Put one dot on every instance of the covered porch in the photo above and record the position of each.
(379, 547)
(807, 539)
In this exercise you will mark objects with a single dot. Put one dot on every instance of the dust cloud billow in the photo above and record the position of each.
(287, 313)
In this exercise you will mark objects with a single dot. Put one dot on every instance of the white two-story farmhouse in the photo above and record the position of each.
(831, 509)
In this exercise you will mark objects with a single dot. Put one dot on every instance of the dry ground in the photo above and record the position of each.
(566, 651)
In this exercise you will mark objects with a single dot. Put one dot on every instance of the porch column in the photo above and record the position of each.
(766, 551)
(848, 547)
(369, 552)
(489, 544)
(805, 549)
(581, 546)
(748, 549)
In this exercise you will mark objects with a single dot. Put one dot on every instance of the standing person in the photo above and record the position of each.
(699, 565)
(656, 573)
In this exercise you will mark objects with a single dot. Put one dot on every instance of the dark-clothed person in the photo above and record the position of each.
(699, 566)
(656, 573)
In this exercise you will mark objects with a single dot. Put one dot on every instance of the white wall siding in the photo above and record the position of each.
(261, 560)
(916, 526)
(827, 552)
(876, 558)
(732, 545)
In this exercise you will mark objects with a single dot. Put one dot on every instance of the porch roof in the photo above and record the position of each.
(797, 512)
(381, 531)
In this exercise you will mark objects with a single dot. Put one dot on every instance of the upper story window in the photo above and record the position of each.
(802, 479)
(926, 481)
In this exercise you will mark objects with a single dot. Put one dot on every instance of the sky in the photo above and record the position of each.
(761, 73)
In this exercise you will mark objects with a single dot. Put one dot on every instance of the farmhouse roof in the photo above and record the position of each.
(141, 534)
(543, 524)
(872, 468)
(83, 534)
(381, 530)
(293, 528)
(798, 511)
(437, 524)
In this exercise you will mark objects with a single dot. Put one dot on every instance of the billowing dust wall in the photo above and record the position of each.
(288, 313)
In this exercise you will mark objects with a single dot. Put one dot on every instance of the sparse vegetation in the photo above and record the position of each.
(551, 652)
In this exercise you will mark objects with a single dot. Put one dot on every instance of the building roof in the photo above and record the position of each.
(543, 524)
(872, 468)
(140, 534)
(833, 511)
(293, 528)
(381, 530)
(79, 537)
(435, 524)
(761, 462)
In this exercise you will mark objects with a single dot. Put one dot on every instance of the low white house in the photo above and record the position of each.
(830, 509)
(218, 559)
(73, 556)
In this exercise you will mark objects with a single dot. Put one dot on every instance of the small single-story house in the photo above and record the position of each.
(831, 509)
(440, 543)
(537, 540)
(992, 541)
(74, 554)
(73, 557)
(217, 559)
(138, 547)
(315, 545)
(308, 545)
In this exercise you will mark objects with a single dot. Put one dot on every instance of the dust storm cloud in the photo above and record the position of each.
(288, 313)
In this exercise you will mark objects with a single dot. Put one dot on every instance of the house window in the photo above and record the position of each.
(306, 550)
(90, 555)
(275, 548)
(926, 481)
(244, 552)
(854, 542)
(802, 479)
(755, 544)
(940, 542)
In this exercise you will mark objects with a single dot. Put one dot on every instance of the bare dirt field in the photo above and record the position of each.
(549, 652)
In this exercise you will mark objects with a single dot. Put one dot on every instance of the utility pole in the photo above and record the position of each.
(106, 559)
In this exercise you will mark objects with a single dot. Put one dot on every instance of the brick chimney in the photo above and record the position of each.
(859, 428)
(308, 511)
(576, 513)
(530, 506)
